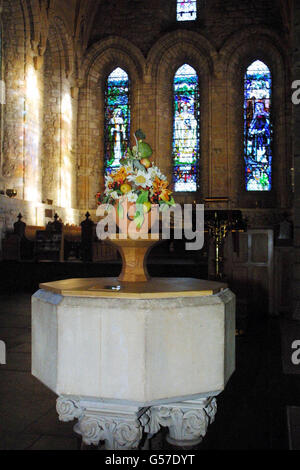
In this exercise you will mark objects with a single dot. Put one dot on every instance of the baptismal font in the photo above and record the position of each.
(129, 355)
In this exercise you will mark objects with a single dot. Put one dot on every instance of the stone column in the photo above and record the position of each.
(219, 180)
(13, 156)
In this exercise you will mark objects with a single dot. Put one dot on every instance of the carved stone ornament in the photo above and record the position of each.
(187, 421)
(117, 433)
(119, 426)
(68, 409)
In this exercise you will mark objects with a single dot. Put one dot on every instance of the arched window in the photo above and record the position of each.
(186, 129)
(117, 118)
(258, 135)
(186, 10)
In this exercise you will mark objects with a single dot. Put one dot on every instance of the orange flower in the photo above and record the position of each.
(120, 176)
(160, 187)
(165, 194)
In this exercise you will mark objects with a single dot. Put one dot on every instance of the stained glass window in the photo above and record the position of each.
(258, 127)
(186, 129)
(186, 10)
(117, 118)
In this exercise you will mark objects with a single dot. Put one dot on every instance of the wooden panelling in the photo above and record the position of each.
(259, 248)
(283, 278)
(241, 256)
(249, 271)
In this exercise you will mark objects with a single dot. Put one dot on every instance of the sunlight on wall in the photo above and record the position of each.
(32, 139)
(65, 182)
(70, 217)
(66, 108)
(32, 214)
(66, 146)
(32, 91)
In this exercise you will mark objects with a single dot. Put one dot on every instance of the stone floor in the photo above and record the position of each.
(252, 412)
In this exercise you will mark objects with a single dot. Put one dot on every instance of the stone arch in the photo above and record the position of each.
(181, 42)
(108, 49)
(166, 56)
(101, 59)
(37, 24)
(29, 6)
(237, 54)
(66, 50)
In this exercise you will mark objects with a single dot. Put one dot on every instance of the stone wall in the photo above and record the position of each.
(34, 213)
(143, 23)
(221, 73)
(58, 157)
(38, 157)
(14, 47)
(53, 138)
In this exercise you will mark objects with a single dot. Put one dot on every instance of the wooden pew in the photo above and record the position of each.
(56, 242)
(19, 243)
(92, 248)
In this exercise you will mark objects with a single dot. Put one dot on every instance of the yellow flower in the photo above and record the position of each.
(140, 179)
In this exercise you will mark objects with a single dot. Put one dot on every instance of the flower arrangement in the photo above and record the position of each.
(139, 181)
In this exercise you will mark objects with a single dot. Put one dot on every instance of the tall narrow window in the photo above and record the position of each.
(117, 118)
(186, 129)
(258, 127)
(186, 10)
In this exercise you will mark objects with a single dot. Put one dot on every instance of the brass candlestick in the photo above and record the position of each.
(219, 223)
(218, 231)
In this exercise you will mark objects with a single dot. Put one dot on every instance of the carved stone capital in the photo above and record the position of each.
(119, 433)
(119, 426)
(68, 408)
(187, 421)
(90, 430)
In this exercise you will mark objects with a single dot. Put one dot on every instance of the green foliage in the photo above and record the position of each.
(129, 153)
(163, 205)
(139, 218)
(143, 197)
(138, 151)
